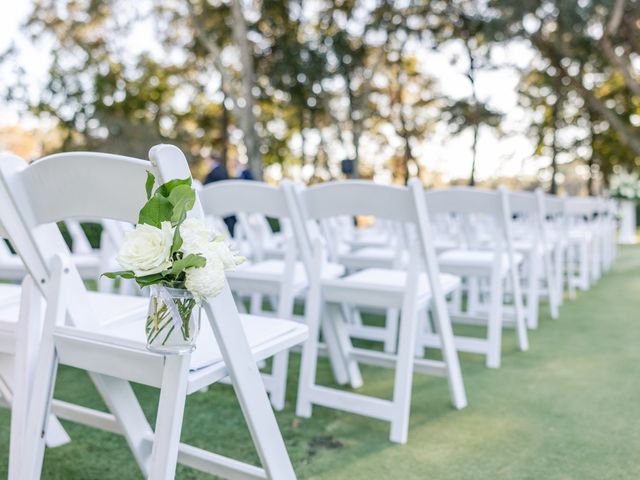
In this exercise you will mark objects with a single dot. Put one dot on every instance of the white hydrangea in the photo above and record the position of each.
(146, 249)
(195, 236)
(221, 249)
(207, 281)
(625, 185)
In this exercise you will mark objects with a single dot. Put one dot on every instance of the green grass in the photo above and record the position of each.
(567, 409)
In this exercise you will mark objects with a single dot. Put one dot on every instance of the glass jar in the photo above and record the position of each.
(173, 320)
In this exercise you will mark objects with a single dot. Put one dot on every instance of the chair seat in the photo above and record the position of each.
(368, 237)
(126, 329)
(462, 262)
(526, 246)
(89, 265)
(579, 235)
(381, 287)
(273, 270)
(372, 257)
(109, 308)
(9, 293)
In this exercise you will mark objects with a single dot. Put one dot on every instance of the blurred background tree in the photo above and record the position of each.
(298, 86)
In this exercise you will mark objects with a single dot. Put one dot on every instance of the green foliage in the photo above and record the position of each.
(190, 261)
(338, 73)
(157, 210)
(170, 202)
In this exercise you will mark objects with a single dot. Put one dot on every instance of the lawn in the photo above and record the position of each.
(567, 409)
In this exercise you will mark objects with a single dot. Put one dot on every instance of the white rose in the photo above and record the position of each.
(220, 248)
(146, 249)
(195, 236)
(207, 281)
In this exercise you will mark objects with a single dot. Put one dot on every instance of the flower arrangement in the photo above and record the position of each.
(179, 258)
(625, 186)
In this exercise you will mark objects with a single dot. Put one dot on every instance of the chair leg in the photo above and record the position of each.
(336, 359)
(571, 271)
(494, 325)
(336, 322)
(521, 325)
(533, 291)
(37, 407)
(279, 371)
(473, 296)
(449, 354)
(391, 330)
(249, 387)
(584, 266)
(123, 404)
(558, 258)
(550, 275)
(280, 365)
(255, 305)
(309, 358)
(166, 439)
(403, 380)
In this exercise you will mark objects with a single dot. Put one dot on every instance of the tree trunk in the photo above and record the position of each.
(553, 189)
(474, 149)
(355, 129)
(247, 118)
(476, 126)
(592, 161)
(224, 136)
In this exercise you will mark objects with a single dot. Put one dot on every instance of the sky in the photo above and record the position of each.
(510, 155)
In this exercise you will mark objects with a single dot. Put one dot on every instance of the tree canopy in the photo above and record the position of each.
(304, 85)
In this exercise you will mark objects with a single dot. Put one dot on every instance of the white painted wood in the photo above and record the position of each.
(330, 299)
(46, 257)
(166, 439)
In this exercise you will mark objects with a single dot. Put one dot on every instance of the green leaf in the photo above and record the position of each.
(121, 274)
(182, 197)
(190, 261)
(149, 279)
(149, 185)
(177, 239)
(166, 188)
(157, 210)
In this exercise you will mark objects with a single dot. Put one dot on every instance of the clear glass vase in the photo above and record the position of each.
(173, 321)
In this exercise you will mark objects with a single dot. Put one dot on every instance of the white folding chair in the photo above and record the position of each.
(89, 262)
(530, 239)
(280, 279)
(583, 255)
(410, 291)
(610, 231)
(12, 366)
(555, 226)
(485, 252)
(104, 334)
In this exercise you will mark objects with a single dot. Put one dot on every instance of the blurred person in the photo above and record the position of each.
(245, 171)
(217, 173)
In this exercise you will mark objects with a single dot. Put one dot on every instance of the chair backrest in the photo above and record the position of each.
(353, 198)
(464, 200)
(529, 221)
(581, 206)
(62, 186)
(229, 197)
(245, 198)
(482, 215)
(79, 240)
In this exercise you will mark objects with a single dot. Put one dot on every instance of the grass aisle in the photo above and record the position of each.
(568, 409)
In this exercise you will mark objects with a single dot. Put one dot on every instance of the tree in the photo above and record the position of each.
(465, 22)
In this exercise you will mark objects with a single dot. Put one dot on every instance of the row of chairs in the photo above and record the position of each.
(494, 255)
(430, 259)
